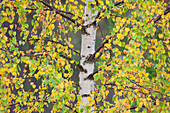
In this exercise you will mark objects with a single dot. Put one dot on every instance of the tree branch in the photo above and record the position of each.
(91, 77)
(144, 87)
(64, 45)
(66, 12)
(57, 43)
(34, 9)
(155, 19)
(59, 12)
(68, 58)
(43, 101)
(116, 4)
(93, 55)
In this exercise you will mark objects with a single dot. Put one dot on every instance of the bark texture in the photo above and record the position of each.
(87, 48)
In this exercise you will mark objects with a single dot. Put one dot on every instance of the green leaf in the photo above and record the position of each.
(89, 6)
(14, 40)
(159, 96)
(93, 11)
(162, 90)
(10, 32)
(80, 13)
(20, 42)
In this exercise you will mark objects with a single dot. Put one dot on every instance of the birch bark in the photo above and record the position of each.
(87, 48)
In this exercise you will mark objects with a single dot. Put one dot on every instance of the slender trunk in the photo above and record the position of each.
(87, 48)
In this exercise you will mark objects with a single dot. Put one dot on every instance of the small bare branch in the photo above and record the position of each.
(59, 12)
(65, 45)
(116, 4)
(144, 87)
(57, 43)
(68, 58)
(91, 77)
(155, 19)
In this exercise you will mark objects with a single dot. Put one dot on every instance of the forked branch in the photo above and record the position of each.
(60, 12)
(155, 19)
(145, 87)
(63, 56)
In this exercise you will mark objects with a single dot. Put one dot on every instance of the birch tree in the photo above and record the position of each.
(127, 72)
(87, 49)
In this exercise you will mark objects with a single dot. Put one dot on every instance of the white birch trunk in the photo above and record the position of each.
(87, 48)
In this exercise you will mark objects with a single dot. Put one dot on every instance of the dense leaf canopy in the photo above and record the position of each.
(132, 64)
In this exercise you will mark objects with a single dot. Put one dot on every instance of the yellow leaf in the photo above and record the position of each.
(125, 1)
(71, 45)
(88, 98)
(107, 1)
(137, 109)
(75, 2)
(140, 104)
(21, 85)
(129, 5)
(168, 46)
(120, 93)
(36, 76)
(72, 61)
(167, 42)
(119, 36)
(48, 48)
(31, 83)
(15, 53)
(73, 7)
(69, 39)
(107, 92)
(124, 20)
(67, 67)
(34, 86)
(157, 102)
(24, 102)
(52, 26)
(11, 26)
(127, 30)
(27, 33)
(59, 75)
(81, 7)
(160, 35)
(113, 19)
(107, 45)
(154, 29)
(62, 63)
(102, 57)
(1, 107)
(133, 20)
(151, 51)
(24, 5)
(101, 2)
(108, 16)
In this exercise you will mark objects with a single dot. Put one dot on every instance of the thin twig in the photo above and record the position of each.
(116, 4)
(66, 12)
(155, 19)
(63, 56)
(34, 9)
(58, 12)
(57, 43)
(65, 45)
(144, 87)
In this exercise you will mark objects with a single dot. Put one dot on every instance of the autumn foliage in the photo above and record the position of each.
(38, 57)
